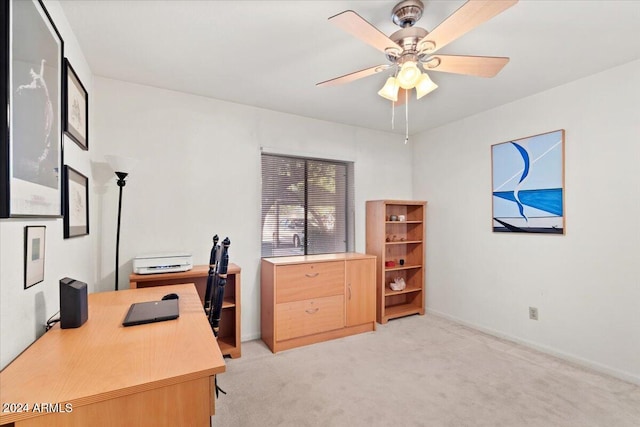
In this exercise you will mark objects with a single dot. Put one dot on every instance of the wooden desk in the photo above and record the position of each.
(158, 374)
(229, 333)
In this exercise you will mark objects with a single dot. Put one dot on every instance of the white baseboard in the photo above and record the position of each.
(625, 376)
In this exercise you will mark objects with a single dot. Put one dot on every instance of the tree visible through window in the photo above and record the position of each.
(304, 206)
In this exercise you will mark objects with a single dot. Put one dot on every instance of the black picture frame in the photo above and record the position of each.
(34, 254)
(76, 206)
(76, 107)
(31, 56)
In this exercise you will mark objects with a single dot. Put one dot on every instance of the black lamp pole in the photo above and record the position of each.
(121, 183)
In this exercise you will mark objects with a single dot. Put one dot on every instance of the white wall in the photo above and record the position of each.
(586, 284)
(199, 175)
(23, 313)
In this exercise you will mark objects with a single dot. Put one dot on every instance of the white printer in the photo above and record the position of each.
(162, 263)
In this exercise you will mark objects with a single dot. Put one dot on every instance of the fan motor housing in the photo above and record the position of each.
(407, 39)
(407, 13)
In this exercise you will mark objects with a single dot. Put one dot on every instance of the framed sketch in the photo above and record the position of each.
(34, 239)
(76, 206)
(528, 184)
(76, 107)
(30, 111)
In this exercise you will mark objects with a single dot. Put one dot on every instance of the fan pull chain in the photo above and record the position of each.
(393, 114)
(393, 104)
(406, 117)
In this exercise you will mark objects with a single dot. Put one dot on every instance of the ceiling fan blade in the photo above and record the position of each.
(347, 78)
(466, 18)
(481, 66)
(357, 26)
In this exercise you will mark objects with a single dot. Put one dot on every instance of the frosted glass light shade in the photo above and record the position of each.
(424, 86)
(390, 89)
(121, 163)
(409, 75)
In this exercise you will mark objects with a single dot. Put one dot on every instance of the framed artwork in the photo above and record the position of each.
(30, 111)
(34, 240)
(76, 207)
(528, 184)
(76, 107)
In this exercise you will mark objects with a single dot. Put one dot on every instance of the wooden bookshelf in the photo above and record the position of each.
(399, 246)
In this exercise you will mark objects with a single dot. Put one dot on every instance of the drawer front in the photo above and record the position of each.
(302, 318)
(304, 281)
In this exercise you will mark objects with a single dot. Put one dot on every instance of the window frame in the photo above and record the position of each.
(348, 213)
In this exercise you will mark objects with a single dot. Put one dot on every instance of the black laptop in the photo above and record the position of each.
(151, 311)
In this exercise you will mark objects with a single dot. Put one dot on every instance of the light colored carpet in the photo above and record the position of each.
(418, 371)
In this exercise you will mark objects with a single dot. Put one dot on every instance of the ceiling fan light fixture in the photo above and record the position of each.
(390, 89)
(424, 86)
(409, 75)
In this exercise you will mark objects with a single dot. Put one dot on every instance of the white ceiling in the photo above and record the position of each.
(270, 54)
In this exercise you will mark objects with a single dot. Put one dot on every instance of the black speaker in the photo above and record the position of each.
(73, 303)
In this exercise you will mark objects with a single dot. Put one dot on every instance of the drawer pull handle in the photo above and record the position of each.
(312, 310)
(311, 275)
(349, 291)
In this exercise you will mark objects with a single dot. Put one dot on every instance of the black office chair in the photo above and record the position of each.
(216, 282)
(213, 261)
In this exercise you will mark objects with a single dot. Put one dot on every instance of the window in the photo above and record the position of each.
(305, 206)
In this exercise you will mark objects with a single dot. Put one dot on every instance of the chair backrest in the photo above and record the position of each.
(213, 261)
(216, 282)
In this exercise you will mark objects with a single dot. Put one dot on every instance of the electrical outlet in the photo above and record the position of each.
(533, 313)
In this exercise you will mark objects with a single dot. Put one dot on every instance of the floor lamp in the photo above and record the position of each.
(122, 166)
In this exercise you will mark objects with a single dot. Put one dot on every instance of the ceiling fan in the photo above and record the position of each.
(412, 46)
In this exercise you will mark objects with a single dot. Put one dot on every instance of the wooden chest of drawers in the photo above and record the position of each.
(308, 299)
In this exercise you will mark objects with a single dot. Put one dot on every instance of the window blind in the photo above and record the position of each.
(305, 206)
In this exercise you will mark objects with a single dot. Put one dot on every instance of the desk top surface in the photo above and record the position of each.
(102, 359)
(304, 259)
(196, 271)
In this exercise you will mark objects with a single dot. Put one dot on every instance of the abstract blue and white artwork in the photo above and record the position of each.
(528, 184)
